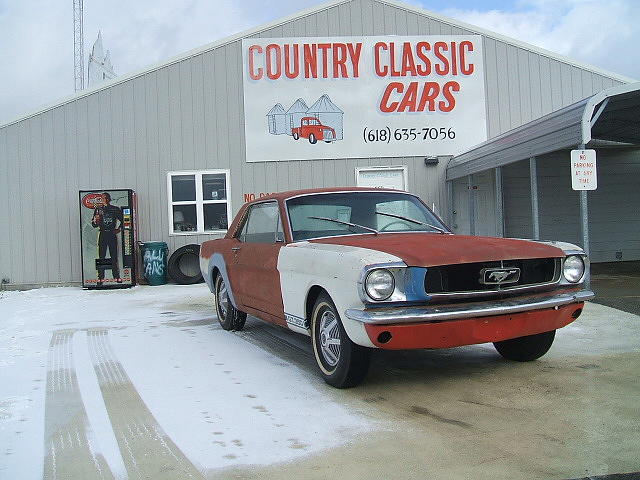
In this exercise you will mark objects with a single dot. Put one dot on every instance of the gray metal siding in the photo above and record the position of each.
(613, 219)
(189, 116)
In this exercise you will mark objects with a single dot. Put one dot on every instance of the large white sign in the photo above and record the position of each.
(353, 97)
(584, 175)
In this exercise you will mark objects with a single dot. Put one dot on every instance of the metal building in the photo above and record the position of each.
(176, 133)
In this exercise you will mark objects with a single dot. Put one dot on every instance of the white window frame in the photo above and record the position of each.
(199, 201)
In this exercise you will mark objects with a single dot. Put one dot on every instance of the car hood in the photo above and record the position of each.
(432, 249)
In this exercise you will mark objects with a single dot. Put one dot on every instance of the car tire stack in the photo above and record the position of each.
(184, 265)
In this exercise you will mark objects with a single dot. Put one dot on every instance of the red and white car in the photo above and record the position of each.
(357, 269)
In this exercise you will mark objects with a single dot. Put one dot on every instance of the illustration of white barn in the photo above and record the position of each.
(328, 114)
(277, 120)
(296, 112)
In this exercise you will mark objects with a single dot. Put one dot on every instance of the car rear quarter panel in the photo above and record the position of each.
(334, 268)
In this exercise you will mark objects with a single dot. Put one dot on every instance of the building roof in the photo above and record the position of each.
(324, 104)
(612, 115)
(277, 109)
(305, 13)
(299, 106)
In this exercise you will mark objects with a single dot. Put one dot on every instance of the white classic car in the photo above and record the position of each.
(357, 269)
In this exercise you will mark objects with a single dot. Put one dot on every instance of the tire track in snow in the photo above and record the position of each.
(147, 451)
(67, 434)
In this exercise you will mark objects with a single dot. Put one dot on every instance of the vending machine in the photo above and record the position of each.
(108, 238)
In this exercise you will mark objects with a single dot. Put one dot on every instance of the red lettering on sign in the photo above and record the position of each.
(447, 91)
(310, 61)
(427, 92)
(274, 62)
(288, 64)
(466, 68)
(324, 47)
(339, 60)
(354, 55)
(438, 48)
(377, 48)
(421, 51)
(252, 73)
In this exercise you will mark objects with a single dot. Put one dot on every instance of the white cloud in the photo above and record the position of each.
(599, 33)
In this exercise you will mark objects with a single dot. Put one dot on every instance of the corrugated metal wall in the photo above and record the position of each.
(189, 116)
(614, 222)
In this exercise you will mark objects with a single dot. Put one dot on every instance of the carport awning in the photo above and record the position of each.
(613, 115)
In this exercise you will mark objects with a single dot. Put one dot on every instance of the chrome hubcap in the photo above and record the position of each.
(330, 338)
(223, 298)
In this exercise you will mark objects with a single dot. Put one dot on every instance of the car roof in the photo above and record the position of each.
(296, 193)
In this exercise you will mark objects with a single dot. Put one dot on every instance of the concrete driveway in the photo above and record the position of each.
(143, 383)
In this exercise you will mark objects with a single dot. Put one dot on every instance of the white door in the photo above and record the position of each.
(382, 177)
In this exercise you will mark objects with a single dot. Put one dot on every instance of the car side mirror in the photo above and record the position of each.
(279, 237)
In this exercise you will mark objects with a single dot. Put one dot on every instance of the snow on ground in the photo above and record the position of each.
(151, 359)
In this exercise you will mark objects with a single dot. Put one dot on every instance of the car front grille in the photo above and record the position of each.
(466, 277)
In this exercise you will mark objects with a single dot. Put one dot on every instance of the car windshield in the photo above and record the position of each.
(333, 214)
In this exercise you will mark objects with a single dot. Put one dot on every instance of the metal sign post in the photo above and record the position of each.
(584, 178)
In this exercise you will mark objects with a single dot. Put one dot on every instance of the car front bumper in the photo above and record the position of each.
(455, 325)
(440, 313)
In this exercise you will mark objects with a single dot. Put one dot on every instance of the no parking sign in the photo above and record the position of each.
(584, 175)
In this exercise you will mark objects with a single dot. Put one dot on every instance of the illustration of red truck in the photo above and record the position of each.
(312, 128)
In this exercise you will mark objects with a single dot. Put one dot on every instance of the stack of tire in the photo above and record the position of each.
(184, 265)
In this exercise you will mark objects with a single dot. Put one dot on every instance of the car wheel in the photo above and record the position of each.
(342, 363)
(230, 317)
(312, 138)
(296, 136)
(525, 349)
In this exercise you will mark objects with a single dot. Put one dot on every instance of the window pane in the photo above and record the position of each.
(279, 230)
(214, 186)
(261, 224)
(184, 218)
(215, 216)
(383, 211)
(183, 188)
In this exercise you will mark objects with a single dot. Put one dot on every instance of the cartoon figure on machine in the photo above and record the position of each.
(321, 121)
(108, 218)
(311, 128)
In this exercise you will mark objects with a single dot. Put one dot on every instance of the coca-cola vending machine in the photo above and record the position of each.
(108, 238)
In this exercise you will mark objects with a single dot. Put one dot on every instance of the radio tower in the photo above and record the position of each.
(78, 45)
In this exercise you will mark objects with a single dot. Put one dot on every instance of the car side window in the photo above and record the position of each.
(261, 224)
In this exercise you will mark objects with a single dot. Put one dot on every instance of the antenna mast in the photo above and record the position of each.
(78, 45)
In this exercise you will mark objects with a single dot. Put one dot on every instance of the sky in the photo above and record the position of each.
(36, 36)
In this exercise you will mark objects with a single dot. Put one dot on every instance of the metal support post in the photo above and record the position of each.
(450, 208)
(535, 214)
(472, 206)
(584, 221)
(499, 203)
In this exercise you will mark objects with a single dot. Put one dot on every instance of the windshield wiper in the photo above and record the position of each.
(417, 222)
(345, 223)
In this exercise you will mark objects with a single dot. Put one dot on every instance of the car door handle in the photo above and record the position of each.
(235, 249)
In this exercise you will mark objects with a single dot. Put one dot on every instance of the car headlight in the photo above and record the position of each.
(573, 268)
(379, 284)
